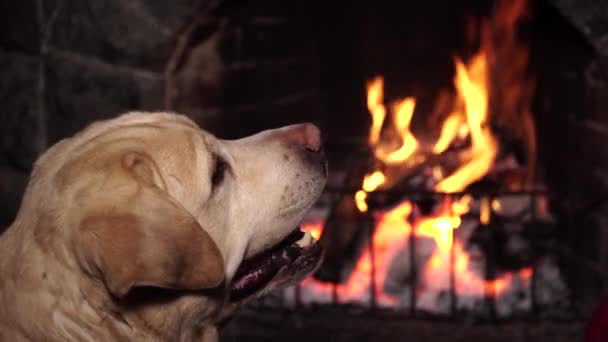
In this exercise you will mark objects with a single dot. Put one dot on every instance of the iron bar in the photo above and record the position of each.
(413, 269)
(490, 272)
(334, 294)
(298, 295)
(415, 193)
(452, 263)
(372, 256)
(533, 280)
(574, 270)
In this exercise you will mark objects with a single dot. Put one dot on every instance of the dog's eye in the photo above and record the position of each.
(219, 170)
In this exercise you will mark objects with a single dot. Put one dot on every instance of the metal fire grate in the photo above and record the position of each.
(292, 298)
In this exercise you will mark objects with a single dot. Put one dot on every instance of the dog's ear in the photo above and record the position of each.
(135, 234)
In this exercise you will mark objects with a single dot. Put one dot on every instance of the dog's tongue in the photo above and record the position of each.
(254, 280)
(255, 273)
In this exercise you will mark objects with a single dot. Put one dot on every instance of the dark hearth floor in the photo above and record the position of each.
(336, 326)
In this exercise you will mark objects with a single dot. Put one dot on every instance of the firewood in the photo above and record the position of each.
(346, 228)
(413, 179)
(345, 236)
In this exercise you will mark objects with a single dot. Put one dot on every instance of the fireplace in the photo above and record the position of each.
(490, 247)
(519, 242)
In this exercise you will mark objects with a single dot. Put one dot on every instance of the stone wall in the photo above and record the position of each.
(572, 125)
(235, 67)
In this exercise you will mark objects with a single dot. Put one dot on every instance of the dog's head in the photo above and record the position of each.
(151, 200)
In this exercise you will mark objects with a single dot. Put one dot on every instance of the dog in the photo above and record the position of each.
(147, 228)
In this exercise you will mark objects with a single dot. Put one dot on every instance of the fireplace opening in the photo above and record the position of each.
(476, 237)
(448, 199)
(443, 205)
(468, 178)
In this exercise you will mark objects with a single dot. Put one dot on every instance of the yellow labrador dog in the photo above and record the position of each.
(145, 227)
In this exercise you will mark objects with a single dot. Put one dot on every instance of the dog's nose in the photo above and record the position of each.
(307, 135)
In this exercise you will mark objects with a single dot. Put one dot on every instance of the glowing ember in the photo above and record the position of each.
(315, 229)
(392, 232)
(485, 211)
(468, 283)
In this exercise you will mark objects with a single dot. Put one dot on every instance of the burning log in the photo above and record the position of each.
(345, 236)
(401, 272)
(512, 246)
(415, 179)
(346, 231)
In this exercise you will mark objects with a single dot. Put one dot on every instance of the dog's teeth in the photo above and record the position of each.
(306, 240)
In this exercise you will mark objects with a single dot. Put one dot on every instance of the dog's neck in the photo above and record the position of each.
(36, 282)
(78, 307)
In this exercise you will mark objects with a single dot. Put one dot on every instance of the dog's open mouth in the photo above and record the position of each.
(287, 262)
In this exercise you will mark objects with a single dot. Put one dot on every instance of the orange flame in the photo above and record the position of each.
(450, 130)
(404, 111)
(472, 86)
(375, 98)
(392, 230)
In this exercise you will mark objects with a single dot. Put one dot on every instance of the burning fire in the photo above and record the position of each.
(315, 229)
(468, 120)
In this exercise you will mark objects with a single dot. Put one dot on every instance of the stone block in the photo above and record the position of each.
(12, 185)
(238, 122)
(139, 33)
(19, 25)
(80, 90)
(260, 39)
(22, 132)
(262, 82)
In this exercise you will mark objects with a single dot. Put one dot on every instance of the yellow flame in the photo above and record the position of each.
(463, 131)
(360, 201)
(472, 86)
(375, 99)
(440, 228)
(450, 129)
(403, 113)
(462, 206)
(373, 181)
